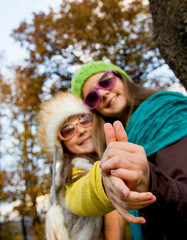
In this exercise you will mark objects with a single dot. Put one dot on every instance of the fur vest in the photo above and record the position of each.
(61, 223)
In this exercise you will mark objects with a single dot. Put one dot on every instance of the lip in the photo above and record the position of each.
(85, 140)
(112, 101)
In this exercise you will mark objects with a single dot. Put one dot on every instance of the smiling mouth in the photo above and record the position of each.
(84, 141)
(111, 102)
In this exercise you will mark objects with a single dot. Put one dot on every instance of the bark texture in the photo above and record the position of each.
(170, 30)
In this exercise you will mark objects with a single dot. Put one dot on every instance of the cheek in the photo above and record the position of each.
(101, 109)
(70, 144)
(120, 87)
(74, 148)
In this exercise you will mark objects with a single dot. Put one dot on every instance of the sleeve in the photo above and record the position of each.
(169, 177)
(86, 196)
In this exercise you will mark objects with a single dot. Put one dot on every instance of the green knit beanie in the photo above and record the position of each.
(89, 69)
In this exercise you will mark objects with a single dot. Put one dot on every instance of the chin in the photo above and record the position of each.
(118, 109)
(89, 150)
(113, 112)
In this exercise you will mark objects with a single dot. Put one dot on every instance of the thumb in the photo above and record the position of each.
(119, 132)
(109, 133)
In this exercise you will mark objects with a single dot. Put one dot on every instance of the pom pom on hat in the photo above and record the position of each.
(89, 69)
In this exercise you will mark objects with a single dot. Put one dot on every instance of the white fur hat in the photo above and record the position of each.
(53, 114)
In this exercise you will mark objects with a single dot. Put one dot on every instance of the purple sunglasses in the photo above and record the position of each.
(106, 82)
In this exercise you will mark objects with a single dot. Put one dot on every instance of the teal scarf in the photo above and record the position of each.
(158, 122)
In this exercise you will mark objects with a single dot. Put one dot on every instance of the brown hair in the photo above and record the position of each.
(135, 95)
(99, 143)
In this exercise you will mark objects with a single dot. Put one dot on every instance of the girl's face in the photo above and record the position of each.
(81, 141)
(113, 101)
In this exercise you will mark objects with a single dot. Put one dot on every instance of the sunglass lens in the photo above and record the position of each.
(85, 119)
(92, 99)
(67, 130)
(107, 81)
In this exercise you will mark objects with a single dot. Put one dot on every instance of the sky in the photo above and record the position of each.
(12, 13)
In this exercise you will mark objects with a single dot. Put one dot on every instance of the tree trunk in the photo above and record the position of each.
(24, 229)
(170, 30)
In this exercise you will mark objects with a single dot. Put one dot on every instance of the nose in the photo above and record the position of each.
(80, 130)
(103, 93)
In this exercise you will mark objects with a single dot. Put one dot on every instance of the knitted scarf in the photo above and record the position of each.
(158, 122)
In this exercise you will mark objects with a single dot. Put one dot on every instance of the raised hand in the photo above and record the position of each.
(121, 173)
(125, 160)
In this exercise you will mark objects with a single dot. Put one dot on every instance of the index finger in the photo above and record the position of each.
(109, 133)
(119, 131)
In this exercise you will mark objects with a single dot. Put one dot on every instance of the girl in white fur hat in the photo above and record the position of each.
(65, 132)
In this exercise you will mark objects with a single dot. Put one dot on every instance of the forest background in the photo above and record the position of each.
(57, 42)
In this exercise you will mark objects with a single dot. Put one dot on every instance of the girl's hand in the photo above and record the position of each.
(116, 192)
(125, 160)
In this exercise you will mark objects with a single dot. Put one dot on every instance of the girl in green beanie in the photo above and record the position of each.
(109, 90)
(155, 120)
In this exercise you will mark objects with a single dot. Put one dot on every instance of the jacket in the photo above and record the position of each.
(168, 216)
(61, 223)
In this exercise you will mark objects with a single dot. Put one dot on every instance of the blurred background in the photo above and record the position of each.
(42, 43)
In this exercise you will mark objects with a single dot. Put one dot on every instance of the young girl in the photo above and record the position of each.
(156, 120)
(68, 129)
